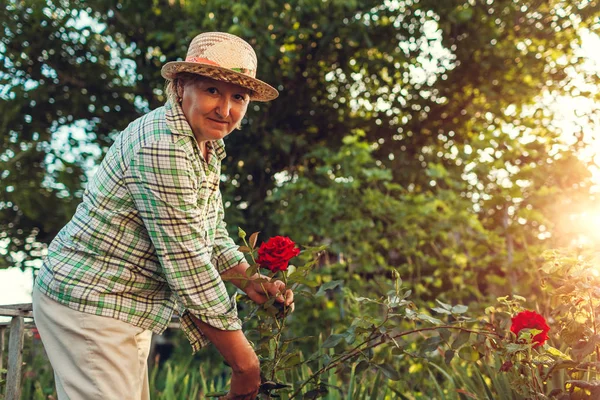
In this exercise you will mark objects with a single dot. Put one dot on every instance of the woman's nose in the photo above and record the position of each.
(223, 108)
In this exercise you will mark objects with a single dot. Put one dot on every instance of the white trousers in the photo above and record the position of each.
(93, 357)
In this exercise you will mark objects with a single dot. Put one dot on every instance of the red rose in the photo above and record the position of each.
(36, 333)
(531, 320)
(276, 253)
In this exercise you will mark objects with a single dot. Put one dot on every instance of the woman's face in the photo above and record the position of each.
(213, 108)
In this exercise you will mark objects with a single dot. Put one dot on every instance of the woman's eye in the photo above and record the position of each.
(240, 97)
(212, 90)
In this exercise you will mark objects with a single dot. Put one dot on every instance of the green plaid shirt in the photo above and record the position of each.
(149, 236)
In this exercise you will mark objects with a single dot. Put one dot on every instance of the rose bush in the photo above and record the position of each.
(509, 344)
(534, 368)
(387, 325)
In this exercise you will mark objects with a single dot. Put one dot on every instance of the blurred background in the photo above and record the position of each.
(454, 140)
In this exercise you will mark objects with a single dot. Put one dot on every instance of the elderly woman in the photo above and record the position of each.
(149, 237)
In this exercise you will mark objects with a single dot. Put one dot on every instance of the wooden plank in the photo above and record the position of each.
(2, 344)
(28, 324)
(15, 359)
(20, 307)
(10, 312)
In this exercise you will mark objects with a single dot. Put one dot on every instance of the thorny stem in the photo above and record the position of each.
(277, 339)
(534, 377)
(280, 331)
(534, 385)
(382, 338)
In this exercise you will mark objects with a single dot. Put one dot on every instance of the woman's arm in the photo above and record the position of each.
(238, 353)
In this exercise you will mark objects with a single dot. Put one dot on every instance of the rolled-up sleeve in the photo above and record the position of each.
(162, 182)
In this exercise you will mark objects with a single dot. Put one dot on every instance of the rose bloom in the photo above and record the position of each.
(531, 320)
(36, 333)
(276, 253)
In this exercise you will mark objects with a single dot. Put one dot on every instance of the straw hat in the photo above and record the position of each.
(223, 57)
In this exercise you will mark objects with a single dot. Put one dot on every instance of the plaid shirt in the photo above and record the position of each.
(149, 235)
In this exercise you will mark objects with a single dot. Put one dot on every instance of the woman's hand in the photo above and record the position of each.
(260, 292)
(243, 387)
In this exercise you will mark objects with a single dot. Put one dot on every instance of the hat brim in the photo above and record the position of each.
(261, 91)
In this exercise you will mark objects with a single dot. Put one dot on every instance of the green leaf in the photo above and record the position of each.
(445, 334)
(361, 299)
(290, 360)
(557, 353)
(241, 233)
(427, 318)
(389, 371)
(410, 314)
(462, 338)
(332, 340)
(291, 269)
(245, 249)
(444, 305)
(430, 344)
(394, 301)
(328, 286)
(516, 347)
(350, 334)
(459, 309)
(448, 356)
(363, 365)
(441, 310)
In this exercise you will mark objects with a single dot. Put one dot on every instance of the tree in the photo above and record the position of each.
(443, 93)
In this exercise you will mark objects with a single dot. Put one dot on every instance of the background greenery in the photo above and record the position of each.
(409, 134)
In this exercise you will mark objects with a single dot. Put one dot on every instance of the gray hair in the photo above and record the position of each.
(183, 78)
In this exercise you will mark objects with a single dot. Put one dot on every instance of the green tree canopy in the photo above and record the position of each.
(447, 146)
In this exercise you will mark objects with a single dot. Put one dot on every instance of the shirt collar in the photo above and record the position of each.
(178, 125)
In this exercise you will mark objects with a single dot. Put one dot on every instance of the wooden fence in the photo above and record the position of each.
(18, 313)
